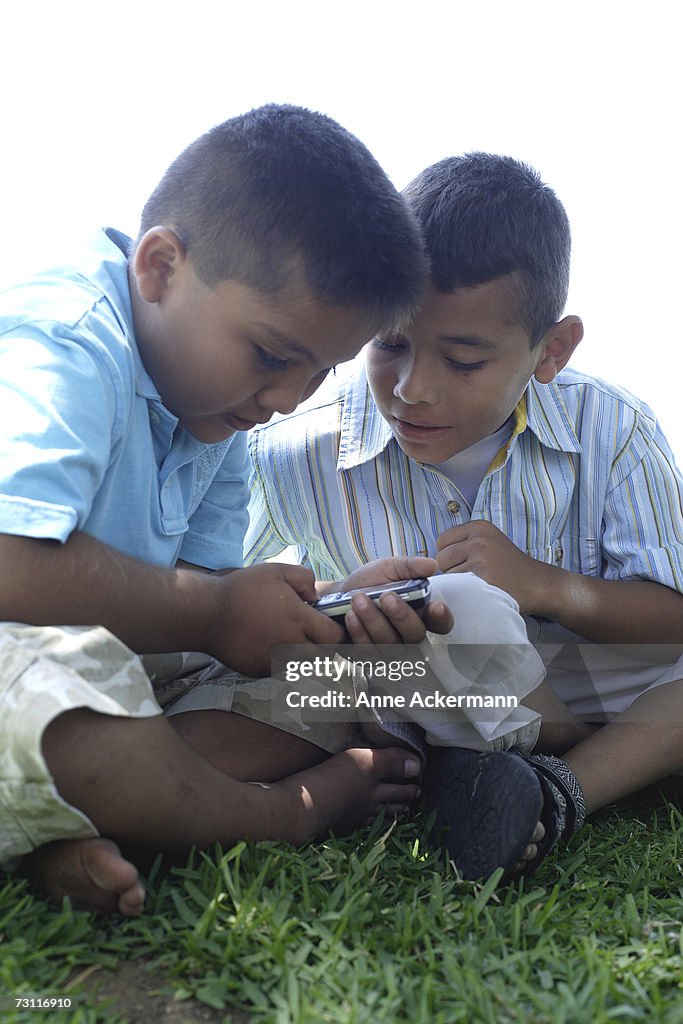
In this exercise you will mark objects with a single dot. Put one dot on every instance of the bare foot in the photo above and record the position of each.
(531, 850)
(91, 872)
(351, 788)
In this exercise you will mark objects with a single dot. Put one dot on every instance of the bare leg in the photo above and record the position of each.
(642, 746)
(245, 749)
(560, 729)
(140, 783)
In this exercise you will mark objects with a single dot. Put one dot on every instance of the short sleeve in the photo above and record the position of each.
(58, 409)
(643, 518)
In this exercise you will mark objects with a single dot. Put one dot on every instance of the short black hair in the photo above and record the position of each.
(282, 188)
(484, 216)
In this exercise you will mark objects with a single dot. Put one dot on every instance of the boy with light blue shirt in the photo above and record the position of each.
(464, 436)
(138, 483)
(272, 248)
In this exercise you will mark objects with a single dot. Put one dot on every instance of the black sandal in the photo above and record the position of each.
(564, 806)
(487, 807)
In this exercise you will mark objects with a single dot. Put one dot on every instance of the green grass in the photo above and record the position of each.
(375, 929)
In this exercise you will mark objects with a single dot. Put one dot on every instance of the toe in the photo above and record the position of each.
(107, 869)
(132, 902)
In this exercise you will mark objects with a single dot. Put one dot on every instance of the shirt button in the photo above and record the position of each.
(453, 506)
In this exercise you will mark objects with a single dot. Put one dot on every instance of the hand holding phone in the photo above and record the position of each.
(414, 592)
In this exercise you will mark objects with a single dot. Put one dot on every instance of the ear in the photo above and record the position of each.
(557, 347)
(157, 259)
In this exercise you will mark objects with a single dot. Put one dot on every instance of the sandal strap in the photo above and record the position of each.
(564, 805)
(566, 789)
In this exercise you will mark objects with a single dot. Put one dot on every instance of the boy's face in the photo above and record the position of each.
(458, 371)
(227, 357)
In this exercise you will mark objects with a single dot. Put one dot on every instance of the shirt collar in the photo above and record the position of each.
(113, 248)
(548, 417)
(109, 270)
(364, 433)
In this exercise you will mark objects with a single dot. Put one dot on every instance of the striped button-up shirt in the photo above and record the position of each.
(586, 481)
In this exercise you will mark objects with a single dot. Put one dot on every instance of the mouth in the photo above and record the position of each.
(417, 431)
(237, 423)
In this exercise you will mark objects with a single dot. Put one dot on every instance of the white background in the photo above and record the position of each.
(96, 99)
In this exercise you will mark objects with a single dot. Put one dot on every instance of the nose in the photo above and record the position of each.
(416, 383)
(282, 398)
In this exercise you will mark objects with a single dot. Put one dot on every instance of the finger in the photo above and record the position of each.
(451, 536)
(321, 629)
(367, 623)
(437, 617)
(357, 632)
(302, 580)
(453, 558)
(405, 620)
(414, 567)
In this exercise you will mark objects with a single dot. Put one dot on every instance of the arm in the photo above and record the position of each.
(605, 611)
(237, 615)
(614, 611)
(638, 529)
(85, 582)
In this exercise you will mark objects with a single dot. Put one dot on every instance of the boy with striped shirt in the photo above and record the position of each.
(465, 437)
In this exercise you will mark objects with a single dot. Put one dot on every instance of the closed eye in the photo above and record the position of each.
(388, 344)
(465, 367)
(267, 358)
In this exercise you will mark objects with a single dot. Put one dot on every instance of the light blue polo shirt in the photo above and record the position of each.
(85, 441)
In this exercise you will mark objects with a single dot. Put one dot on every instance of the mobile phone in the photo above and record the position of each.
(414, 592)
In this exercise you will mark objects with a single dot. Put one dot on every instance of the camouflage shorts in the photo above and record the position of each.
(45, 671)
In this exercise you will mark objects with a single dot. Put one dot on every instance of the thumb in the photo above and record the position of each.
(420, 566)
(437, 617)
(407, 567)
